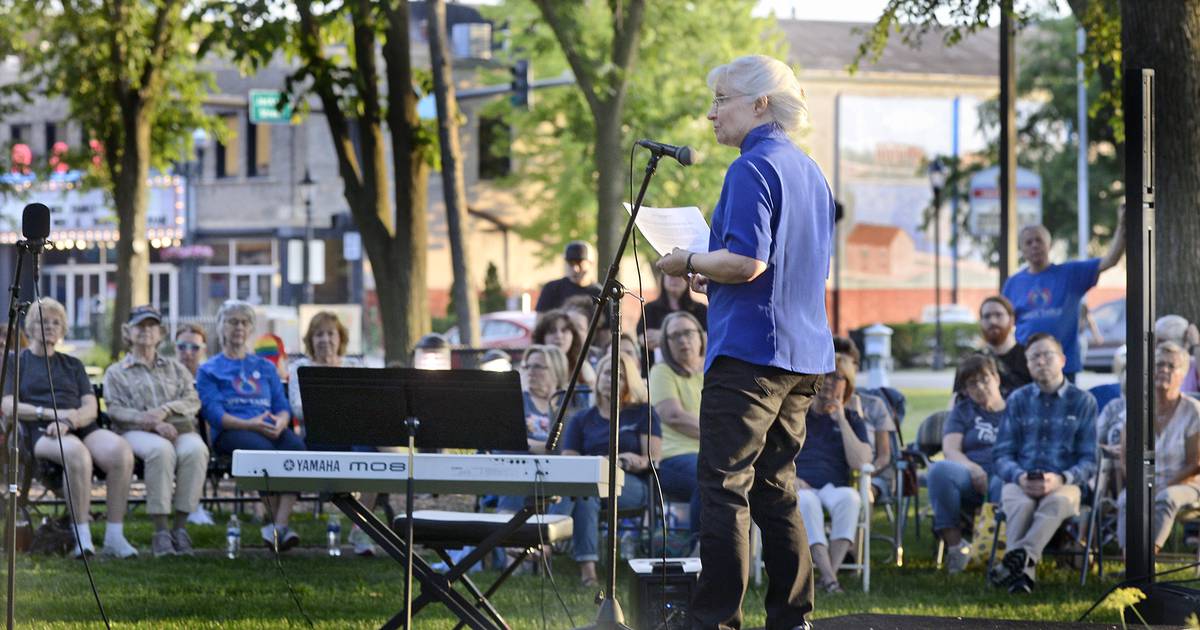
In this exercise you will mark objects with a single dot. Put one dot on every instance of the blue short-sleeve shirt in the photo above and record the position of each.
(775, 207)
(1049, 302)
(978, 427)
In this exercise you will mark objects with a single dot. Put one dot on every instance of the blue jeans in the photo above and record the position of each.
(231, 440)
(678, 477)
(585, 512)
(951, 492)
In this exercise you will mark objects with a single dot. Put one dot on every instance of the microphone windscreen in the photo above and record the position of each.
(35, 221)
(687, 156)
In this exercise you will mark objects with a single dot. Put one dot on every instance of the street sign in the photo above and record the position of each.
(984, 220)
(265, 110)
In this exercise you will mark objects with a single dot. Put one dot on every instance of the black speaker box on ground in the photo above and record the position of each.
(1168, 603)
(662, 607)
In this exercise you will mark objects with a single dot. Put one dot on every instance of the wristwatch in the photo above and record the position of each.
(40, 412)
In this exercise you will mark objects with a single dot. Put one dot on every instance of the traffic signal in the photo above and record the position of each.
(522, 92)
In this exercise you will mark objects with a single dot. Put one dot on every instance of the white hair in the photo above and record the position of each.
(1171, 328)
(1039, 228)
(762, 76)
(45, 305)
(234, 307)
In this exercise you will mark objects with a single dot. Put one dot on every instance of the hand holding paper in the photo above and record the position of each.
(668, 228)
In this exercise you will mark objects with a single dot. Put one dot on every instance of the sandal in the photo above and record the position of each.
(832, 587)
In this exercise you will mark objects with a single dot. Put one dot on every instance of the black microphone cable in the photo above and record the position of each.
(539, 499)
(87, 567)
(278, 561)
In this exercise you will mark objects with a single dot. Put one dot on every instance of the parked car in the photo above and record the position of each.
(951, 314)
(1110, 320)
(502, 329)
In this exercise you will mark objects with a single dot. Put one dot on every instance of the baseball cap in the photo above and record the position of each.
(578, 250)
(142, 313)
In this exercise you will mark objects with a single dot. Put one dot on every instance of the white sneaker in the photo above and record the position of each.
(118, 548)
(957, 557)
(200, 517)
(363, 546)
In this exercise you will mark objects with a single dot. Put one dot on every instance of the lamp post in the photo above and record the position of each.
(307, 186)
(937, 180)
(195, 172)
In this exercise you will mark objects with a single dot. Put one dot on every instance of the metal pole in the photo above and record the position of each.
(308, 237)
(837, 226)
(954, 207)
(1008, 143)
(1081, 193)
(939, 358)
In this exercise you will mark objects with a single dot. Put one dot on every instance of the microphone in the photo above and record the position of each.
(683, 155)
(35, 222)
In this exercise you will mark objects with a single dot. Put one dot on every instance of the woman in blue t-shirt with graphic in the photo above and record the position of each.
(835, 445)
(246, 407)
(964, 479)
(637, 444)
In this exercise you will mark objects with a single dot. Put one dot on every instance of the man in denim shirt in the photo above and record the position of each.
(1045, 452)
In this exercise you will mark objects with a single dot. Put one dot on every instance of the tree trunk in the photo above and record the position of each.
(131, 195)
(453, 187)
(1165, 35)
(611, 183)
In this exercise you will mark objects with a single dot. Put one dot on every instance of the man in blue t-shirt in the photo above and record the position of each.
(1046, 296)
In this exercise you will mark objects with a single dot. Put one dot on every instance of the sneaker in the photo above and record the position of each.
(182, 542)
(288, 539)
(89, 551)
(161, 544)
(957, 557)
(120, 549)
(200, 516)
(363, 546)
(1023, 585)
(1010, 568)
(268, 535)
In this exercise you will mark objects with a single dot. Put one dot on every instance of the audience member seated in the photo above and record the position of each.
(83, 443)
(964, 479)
(877, 413)
(1045, 453)
(1176, 445)
(191, 346)
(835, 445)
(152, 402)
(1177, 329)
(325, 346)
(544, 372)
(674, 295)
(555, 328)
(587, 433)
(1109, 427)
(675, 385)
(246, 407)
(997, 324)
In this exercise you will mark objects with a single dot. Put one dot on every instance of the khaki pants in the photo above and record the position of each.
(174, 472)
(1032, 522)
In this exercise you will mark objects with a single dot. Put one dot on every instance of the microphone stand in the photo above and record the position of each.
(16, 309)
(610, 616)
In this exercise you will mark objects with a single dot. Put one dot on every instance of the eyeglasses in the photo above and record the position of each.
(1044, 355)
(1164, 365)
(187, 347)
(717, 101)
(245, 323)
(683, 335)
(535, 367)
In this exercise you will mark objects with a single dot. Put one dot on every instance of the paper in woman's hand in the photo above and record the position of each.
(668, 228)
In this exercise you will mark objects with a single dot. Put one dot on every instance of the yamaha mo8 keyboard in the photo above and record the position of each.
(514, 474)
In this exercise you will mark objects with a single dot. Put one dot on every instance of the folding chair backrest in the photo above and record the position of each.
(929, 434)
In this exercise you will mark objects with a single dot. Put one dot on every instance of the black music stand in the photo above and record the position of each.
(472, 409)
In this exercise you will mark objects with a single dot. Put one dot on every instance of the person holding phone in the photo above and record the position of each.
(1045, 452)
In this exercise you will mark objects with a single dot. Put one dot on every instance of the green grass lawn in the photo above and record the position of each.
(211, 591)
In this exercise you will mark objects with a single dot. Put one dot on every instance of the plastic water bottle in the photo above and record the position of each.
(333, 531)
(628, 545)
(233, 537)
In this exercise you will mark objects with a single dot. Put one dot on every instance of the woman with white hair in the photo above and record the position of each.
(70, 411)
(1176, 445)
(769, 343)
(246, 407)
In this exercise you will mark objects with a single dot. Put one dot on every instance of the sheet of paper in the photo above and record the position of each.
(668, 228)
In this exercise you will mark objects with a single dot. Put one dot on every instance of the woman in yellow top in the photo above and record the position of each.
(675, 385)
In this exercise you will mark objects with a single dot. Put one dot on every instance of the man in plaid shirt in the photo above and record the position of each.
(1045, 452)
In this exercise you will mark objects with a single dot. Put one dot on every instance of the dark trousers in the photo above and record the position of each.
(752, 425)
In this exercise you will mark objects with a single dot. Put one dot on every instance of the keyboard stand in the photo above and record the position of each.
(475, 611)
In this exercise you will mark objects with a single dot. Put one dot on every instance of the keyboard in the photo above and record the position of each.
(516, 474)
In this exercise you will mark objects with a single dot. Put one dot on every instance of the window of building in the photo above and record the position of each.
(254, 253)
(258, 150)
(495, 147)
(227, 152)
(21, 133)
